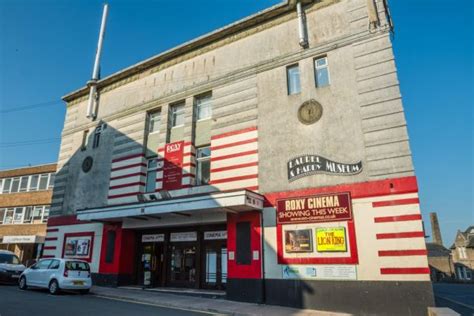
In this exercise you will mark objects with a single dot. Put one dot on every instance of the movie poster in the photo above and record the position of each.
(332, 239)
(77, 247)
(297, 241)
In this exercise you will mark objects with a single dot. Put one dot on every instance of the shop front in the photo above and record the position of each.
(191, 257)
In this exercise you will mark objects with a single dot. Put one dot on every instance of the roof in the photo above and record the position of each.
(437, 250)
(221, 33)
(468, 236)
(27, 170)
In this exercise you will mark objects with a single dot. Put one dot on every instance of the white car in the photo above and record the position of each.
(57, 274)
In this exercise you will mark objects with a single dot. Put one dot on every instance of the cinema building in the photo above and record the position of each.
(269, 159)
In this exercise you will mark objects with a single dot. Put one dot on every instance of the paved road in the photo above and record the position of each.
(459, 297)
(14, 302)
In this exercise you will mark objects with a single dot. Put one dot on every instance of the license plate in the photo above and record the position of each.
(16, 276)
(78, 282)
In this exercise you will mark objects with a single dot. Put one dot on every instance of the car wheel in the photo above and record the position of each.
(83, 292)
(53, 287)
(22, 283)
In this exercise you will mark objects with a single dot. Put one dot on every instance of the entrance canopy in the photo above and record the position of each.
(232, 202)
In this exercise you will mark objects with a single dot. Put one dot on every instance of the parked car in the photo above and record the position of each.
(57, 274)
(10, 267)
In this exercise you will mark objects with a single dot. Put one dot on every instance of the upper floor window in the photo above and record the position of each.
(203, 165)
(24, 215)
(29, 183)
(203, 107)
(154, 120)
(321, 72)
(85, 141)
(293, 79)
(96, 140)
(462, 252)
(152, 167)
(177, 114)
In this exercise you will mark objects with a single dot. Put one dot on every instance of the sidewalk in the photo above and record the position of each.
(218, 306)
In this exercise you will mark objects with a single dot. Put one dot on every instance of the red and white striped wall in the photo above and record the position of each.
(234, 160)
(127, 179)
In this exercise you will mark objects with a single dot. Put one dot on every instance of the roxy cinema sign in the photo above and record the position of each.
(311, 164)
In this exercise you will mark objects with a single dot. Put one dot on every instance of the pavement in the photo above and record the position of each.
(209, 305)
(458, 297)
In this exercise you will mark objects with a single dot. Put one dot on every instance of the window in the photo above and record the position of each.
(34, 182)
(321, 72)
(43, 183)
(37, 213)
(2, 215)
(203, 165)
(1, 186)
(8, 216)
(177, 114)
(15, 185)
(110, 249)
(18, 215)
(45, 214)
(96, 140)
(462, 252)
(51, 180)
(28, 214)
(54, 265)
(24, 184)
(243, 249)
(293, 79)
(154, 120)
(44, 264)
(152, 165)
(85, 141)
(203, 107)
(6, 185)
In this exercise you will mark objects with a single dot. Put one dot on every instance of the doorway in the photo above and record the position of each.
(152, 264)
(215, 265)
(183, 265)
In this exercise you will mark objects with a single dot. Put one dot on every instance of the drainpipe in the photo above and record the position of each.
(95, 72)
(303, 36)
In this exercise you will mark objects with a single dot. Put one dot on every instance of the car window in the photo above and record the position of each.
(9, 258)
(43, 264)
(77, 266)
(54, 265)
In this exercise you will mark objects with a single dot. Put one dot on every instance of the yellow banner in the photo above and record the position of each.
(331, 239)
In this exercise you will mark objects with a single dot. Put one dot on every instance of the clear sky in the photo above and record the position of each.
(47, 49)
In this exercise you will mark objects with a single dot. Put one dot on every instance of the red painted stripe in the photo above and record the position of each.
(396, 202)
(127, 185)
(129, 175)
(189, 164)
(244, 153)
(254, 188)
(49, 248)
(122, 195)
(188, 175)
(244, 165)
(47, 256)
(404, 270)
(50, 238)
(232, 179)
(400, 235)
(127, 157)
(398, 253)
(65, 220)
(245, 130)
(160, 150)
(399, 218)
(52, 230)
(129, 166)
(242, 142)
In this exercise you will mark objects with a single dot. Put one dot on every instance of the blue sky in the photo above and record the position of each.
(47, 50)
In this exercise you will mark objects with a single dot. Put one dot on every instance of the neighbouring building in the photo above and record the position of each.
(439, 257)
(269, 159)
(463, 255)
(25, 199)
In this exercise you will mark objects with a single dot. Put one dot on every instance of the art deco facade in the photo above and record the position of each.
(269, 159)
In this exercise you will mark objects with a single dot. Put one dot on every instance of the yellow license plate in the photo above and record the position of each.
(78, 282)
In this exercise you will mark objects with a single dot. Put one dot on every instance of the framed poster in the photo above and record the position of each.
(298, 241)
(332, 239)
(78, 246)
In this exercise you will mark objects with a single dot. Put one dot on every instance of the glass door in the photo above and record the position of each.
(215, 266)
(182, 265)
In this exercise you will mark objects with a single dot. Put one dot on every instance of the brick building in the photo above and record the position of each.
(462, 252)
(269, 159)
(25, 199)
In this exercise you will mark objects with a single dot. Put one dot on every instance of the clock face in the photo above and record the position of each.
(310, 112)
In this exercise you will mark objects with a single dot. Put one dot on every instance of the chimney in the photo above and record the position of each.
(435, 230)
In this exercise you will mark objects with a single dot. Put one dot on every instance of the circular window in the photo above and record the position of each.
(87, 164)
(310, 112)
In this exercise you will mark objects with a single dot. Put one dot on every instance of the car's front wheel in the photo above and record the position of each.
(22, 283)
(53, 287)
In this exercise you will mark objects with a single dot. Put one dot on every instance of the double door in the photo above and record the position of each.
(214, 272)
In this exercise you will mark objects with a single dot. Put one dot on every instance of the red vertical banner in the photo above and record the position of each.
(173, 166)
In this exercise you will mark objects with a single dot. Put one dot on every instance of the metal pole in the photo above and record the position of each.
(95, 72)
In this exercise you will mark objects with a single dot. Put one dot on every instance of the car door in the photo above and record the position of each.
(41, 273)
(47, 274)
